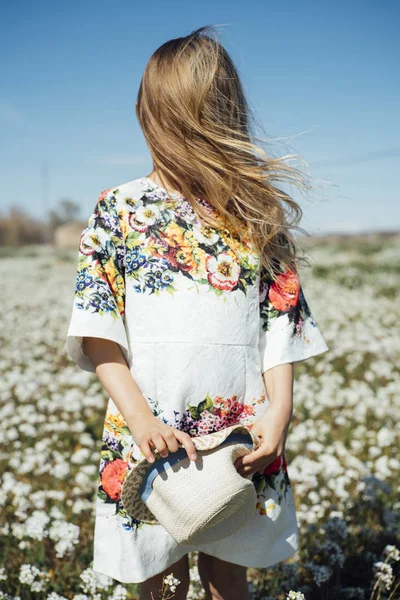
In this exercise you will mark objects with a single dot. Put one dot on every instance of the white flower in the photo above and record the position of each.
(223, 272)
(81, 505)
(385, 437)
(120, 593)
(80, 456)
(55, 513)
(35, 525)
(34, 578)
(295, 596)
(205, 235)
(61, 470)
(94, 240)
(384, 574)
(270, 507)
(93, 581)
(144, 216)
(392, 553)
(65, 534)
(148, 214)
(171, 582)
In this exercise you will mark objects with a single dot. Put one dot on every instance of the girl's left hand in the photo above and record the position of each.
(271, 429)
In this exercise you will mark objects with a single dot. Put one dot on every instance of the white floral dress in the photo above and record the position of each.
(198, 326)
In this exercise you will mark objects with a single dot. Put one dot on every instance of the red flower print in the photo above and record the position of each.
(285, 291)
(273, 467)
(181, 257)
(112, 478)
(214, 414)
(284, 463)
(103, 194)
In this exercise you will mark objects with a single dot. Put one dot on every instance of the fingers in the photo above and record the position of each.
(252, 457)
(160, 444)
(253, 462)
(145, 448)
(165, 442)
(250, 470)
(187, 443)
(171, 441)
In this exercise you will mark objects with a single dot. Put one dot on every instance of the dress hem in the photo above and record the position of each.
(243, 563)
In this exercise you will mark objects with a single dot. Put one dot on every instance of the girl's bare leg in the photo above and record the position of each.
(180, 570)
(222, 580)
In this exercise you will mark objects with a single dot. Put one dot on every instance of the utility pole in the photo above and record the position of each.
(45, 200)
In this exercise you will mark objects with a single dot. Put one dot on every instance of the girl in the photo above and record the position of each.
(189, 309)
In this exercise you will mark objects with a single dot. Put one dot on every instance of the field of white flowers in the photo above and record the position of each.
(342, 448)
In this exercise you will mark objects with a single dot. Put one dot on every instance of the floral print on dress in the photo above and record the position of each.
(284, 297)
(275, 476)
(119, 452)
(115, 457)
(100, 285)
(139, 249)
(164, 241)
(214, 414)
(147, 244)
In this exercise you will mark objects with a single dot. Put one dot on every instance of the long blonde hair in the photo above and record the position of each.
(196, 121)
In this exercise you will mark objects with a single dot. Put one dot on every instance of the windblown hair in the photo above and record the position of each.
(195, 118)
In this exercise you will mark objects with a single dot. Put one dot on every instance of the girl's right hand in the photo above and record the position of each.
(149, 432)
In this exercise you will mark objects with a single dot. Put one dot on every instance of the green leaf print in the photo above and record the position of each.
(258, 482)
(206, 404)
(133, 240)
(242, 284)
(124, 430)
(108, 455)
(194, 412)
(102, 495)
(218, 291)
(271, 480)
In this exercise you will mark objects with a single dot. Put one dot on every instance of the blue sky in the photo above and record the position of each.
(321, 76)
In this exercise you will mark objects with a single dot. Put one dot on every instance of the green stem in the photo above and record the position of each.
(374, 589)
(394, 589)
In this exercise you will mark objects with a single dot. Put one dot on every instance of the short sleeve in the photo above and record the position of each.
(288, 331)
(98, 307)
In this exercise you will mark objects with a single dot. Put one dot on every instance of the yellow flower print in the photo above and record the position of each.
(124, 224)
(117, 284)
(110, 270)
(119, 288)
(266, 508)
(115, 420)
(174, 234)
(190, 239)
(200, 257)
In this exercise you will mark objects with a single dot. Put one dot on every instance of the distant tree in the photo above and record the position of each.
(19, 228)
(70, 210)
(67, 210)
